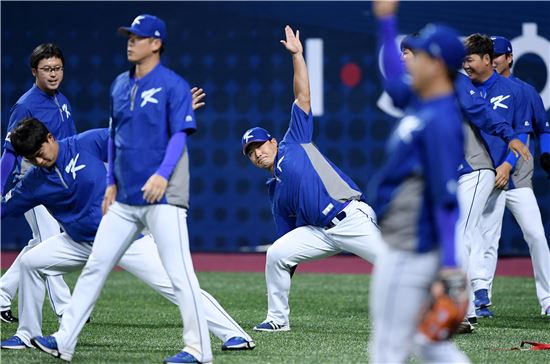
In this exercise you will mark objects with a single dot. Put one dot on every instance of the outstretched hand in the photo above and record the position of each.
(292, 42)
(198, 94)
(383, 8)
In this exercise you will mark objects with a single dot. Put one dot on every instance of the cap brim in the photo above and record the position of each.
(127, 31)
(254, 141)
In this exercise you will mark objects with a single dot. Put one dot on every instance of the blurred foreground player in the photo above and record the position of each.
(148, 187)
(418, 207)
(318, 210)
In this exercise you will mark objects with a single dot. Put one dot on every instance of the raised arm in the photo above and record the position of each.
(301, 81)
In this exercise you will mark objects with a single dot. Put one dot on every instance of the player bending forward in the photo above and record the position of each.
(318, 210)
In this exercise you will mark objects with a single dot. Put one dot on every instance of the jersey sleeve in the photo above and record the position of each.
(181, 116)
(523, 112)
(95, 141)
(17, 113)
(22, 197)
(300, 129)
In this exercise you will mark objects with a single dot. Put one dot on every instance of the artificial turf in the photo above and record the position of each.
(329, 323)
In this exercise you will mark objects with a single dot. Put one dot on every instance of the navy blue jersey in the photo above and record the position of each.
(145, 113)
(72, 190)
(420, 174)
(508, 99)
(54, 112)
(307, 188)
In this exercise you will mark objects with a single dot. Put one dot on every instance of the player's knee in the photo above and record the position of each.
(29, 262)
(275, 255)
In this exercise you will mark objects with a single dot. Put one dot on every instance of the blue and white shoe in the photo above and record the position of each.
(482, 298)
(14, 343)
(48, 344)
(181, 357)
(238, 343)
(484, 312)
(271, 326)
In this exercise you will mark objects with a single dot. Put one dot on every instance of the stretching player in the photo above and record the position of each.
(148, 187)
(519, 196)
(43, 101)
(507, 99)
(318, 210)
(76, 204)
(417, 203)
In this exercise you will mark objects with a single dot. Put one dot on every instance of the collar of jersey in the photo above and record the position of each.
(490, 81)
(39, 91)
(144, 78)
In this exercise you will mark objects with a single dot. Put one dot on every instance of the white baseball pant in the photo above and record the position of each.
(473, 191)
(357, 234)
(60, 254)
(400, 290)
(117, 230)
(523, 205)
(43, 226)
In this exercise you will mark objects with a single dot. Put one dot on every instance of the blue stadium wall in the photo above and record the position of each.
(232, 50)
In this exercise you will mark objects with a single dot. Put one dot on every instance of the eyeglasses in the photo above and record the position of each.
(50, 69)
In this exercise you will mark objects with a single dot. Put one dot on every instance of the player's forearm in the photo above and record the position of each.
(111, 161)
(7, 163)
(394, 83)
(174, 150)
(545, 143)
(446, 217)
(512, 158)
(491, 122)
(301, 82)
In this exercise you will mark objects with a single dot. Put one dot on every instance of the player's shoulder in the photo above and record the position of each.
(91, 136)
(28, 98)
(171, 77)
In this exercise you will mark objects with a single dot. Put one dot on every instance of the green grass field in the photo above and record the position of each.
(329, 321)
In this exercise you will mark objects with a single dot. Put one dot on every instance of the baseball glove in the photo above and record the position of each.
(448, 306)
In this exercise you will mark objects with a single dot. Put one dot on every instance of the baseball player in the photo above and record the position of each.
(476, 171)
(318, 210)
(148, 187)
(46, 102)
(417, 204)
(519, 196)
(507, 99)
(76, 204)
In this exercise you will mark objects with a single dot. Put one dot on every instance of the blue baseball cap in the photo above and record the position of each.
(253, 135)
(146, 25)
(439, 41)
(501, 45)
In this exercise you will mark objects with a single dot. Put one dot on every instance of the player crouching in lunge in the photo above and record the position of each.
(319, 211)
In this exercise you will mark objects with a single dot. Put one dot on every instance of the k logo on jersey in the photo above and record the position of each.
(497, 101)
(72, 167)
(147, 96)
(65, 109)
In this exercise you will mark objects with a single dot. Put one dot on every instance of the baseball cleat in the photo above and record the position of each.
(465, 327)
(6, 316)
(48, 344)
(14, 343)
(181, 357)
(484, 312)
(472, 320)
(271, 326)
(482, 298)
(238, 343)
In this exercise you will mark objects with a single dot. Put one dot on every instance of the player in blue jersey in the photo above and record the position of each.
(148, 187)
(508, 99)
(476, 171)
(519, 197)
(318, 210)
(70, 182)
(416, 202)
(46, 102)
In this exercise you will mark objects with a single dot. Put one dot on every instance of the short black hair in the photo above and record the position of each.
(480, 44)
(28, 136)
(45, 51)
